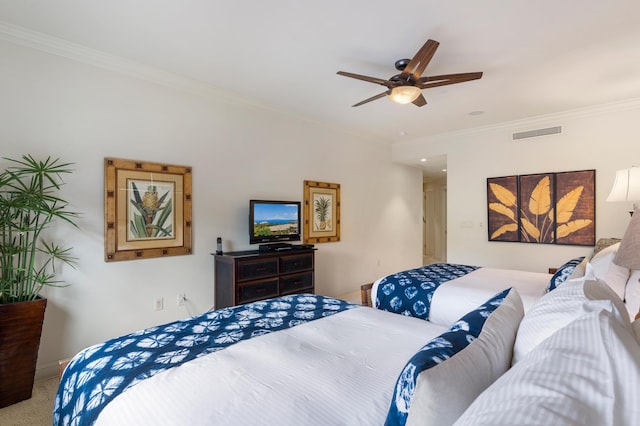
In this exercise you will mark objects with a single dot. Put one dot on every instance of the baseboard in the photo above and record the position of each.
(47, 370)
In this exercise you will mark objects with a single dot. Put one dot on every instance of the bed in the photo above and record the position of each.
(444, 291)
(244, 366)
(308, 359)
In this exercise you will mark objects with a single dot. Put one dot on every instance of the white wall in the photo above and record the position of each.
(50, 105)
(603, 138)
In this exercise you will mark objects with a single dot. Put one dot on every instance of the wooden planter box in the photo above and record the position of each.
(20, 330)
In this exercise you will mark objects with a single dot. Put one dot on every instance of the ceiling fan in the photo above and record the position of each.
(407, 86)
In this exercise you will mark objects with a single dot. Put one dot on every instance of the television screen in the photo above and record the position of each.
(272, 221)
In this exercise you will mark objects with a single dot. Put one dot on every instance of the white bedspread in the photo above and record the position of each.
(338, 370)
(455, 298)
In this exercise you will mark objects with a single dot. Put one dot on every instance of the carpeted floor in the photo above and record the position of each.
(35, 411)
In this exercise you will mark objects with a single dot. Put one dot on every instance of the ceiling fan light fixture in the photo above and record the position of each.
(406, 87)
(404, 94)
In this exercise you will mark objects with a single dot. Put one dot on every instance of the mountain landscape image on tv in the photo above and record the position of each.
(275, 221)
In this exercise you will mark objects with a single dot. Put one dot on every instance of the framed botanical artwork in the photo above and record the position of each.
(536, 196)
(321, 212)
(502, 197)
(551, 208)
(576, 208)
(147, 210)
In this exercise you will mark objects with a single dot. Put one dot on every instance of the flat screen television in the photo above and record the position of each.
(273, 221)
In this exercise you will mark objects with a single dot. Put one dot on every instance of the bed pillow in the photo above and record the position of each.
(632, 294)
(603, 243)
(636, 329)
(563, 273)
(614, 275)
(570, 379)
(442, 379)
(581, 269)
(560, 307)
(628, 254)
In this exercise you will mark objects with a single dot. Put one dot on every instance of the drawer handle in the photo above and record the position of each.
(260, 268)
(261, 289)
(297, 282)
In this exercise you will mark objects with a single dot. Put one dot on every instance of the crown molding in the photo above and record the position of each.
(56, 46)
(77, 52)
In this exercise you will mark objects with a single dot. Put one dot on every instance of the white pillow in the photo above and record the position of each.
(563, 305)
(636, 329)
(581, 269)
(585, 374)
(632, 294)
(604, 268)
(629, 253)
(444, 391)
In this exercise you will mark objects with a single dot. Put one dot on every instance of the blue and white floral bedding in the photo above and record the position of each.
(410, 292)
(101, 372)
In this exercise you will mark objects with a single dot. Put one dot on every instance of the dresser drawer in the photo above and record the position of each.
(252, 275)
(295, 263)
(296, 283)
(258, 290)
(254, 269)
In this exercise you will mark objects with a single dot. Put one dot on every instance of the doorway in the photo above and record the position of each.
(434, 219)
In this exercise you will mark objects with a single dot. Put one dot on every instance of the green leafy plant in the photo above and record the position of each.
(29, 204)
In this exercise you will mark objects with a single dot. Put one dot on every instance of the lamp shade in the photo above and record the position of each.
(404, 94)
(626, 186)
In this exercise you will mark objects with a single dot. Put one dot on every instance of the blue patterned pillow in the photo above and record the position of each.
(468, 374)
(563, 273)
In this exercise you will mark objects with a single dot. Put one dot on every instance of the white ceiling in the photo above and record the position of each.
(538, 57)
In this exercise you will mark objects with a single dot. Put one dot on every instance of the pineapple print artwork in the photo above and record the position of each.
(544, 208)
(322, 212)
(150, 212)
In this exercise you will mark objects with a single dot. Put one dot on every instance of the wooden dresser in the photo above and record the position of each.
(247, 276)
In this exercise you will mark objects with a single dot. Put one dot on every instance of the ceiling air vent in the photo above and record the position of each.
(537, 132)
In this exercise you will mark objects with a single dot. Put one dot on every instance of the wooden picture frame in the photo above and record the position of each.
(537, 206)
(502, 208)
(147, 210)
(321, 212)
(548, 208)
(576, 208)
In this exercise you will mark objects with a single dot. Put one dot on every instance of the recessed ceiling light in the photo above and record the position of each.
(479, 112)
(444, 170)
(403, 133)
(423, 160)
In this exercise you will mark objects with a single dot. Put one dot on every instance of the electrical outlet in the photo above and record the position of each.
(158, 304)
(182, 297)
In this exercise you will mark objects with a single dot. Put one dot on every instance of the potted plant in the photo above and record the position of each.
(29, 204)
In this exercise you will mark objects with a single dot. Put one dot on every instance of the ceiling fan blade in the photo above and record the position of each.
(375, 80)
(373, 98)
(467, 76)
(420, 101)
(419, 62)
(437, 81)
